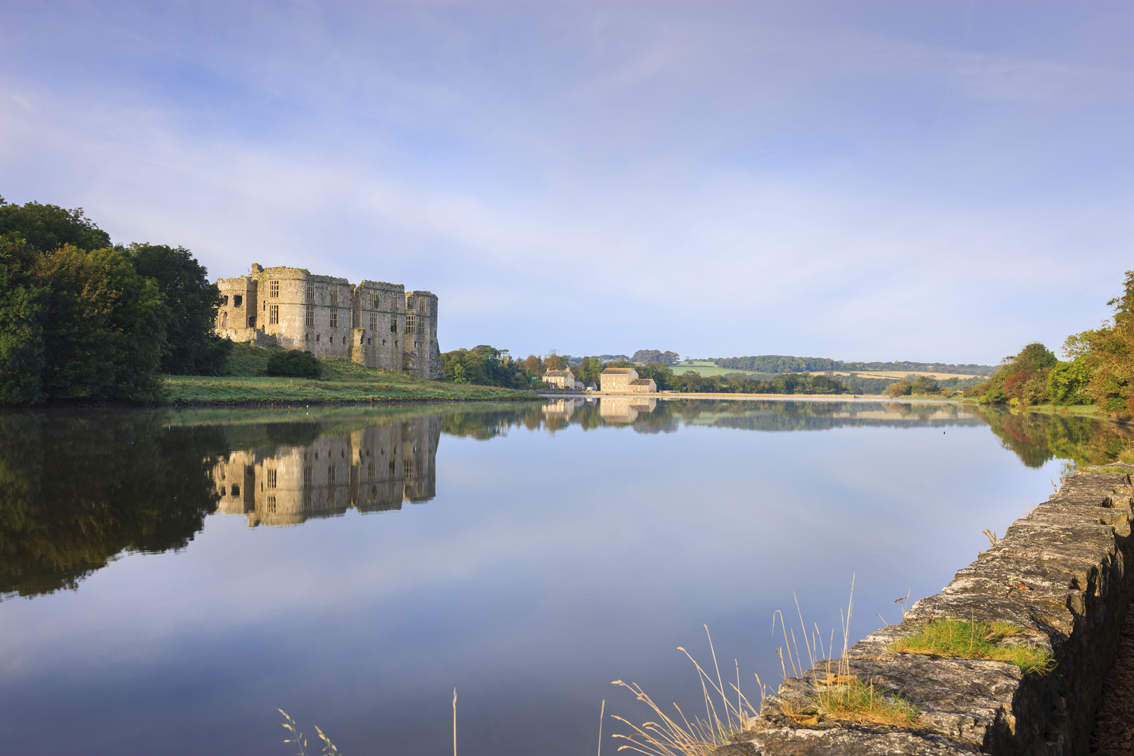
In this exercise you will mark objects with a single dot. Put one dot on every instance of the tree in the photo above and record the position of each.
(555, 362)
(191, 346)
(661, 374)
(23, 301)
(1022, 379)
(48, 227)
(103, 326)
(589, 370)
(1111, 386)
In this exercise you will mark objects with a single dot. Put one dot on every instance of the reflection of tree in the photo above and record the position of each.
(77, 490)
(1037, 438)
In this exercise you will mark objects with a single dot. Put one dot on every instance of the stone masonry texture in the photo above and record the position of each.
(1061, 574)
(375, 324)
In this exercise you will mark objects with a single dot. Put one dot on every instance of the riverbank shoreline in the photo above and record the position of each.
(1060, 575)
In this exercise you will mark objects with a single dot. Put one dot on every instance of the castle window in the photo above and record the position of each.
(273, 288)
(310, 318)
(235, 490)
(344, 339)
(316, 337)
(377, 302)
(361, 339)
(274, 314)
(421, 305)
(251, 321)
(271, 478)
(368, 342)
(335, 318)
(331, 475)
(310, 291)
(394, 326)
(307, 477)
(224, 320)
(411, 324)
(373, 321)
(271, 505)
(237, 301)
(224, 301)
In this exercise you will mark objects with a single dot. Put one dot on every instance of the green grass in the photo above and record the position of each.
(845, 698)
(342, 382)
(974, 640)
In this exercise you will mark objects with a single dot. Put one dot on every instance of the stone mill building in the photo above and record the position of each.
(375, 324)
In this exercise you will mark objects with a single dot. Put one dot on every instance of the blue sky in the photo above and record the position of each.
(876, 181)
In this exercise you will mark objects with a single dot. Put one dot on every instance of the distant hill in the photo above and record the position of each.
(775, 363)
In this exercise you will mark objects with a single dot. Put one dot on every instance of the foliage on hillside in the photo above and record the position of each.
(488, 366)
(1098, 368)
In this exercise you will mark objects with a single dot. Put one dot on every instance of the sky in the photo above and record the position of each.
(928, 181)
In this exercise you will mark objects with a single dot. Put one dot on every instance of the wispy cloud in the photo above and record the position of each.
(709, 178)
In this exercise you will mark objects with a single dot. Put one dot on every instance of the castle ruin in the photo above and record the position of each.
(376, 324)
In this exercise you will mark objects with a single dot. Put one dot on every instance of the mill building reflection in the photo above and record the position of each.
(373, 469)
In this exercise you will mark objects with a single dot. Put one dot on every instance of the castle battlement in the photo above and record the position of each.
(376, 324)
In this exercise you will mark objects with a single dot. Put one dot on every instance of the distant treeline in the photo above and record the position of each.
(488, 366)
(775, 363)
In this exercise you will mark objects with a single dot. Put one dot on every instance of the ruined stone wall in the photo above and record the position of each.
(421, 336)
(1062, 574)
(375, 324)
(236, 317)
(378, 325)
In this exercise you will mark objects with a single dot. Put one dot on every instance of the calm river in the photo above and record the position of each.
(170, 579)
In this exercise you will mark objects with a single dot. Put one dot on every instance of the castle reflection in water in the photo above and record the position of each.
(373, 470)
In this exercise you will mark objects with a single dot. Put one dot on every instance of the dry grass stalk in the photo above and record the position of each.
(297, 739)
(680, 736)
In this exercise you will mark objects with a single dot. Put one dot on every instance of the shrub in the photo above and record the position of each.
(293, 364)
(901, 388)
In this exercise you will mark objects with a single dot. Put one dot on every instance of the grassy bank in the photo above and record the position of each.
(342, 381)
(1079, 410)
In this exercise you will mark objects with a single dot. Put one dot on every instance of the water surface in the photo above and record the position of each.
(171, 578)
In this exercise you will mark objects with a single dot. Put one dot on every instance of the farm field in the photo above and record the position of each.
(896, 375)
(706, 368)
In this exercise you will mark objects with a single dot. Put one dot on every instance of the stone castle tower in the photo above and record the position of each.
(375, 324)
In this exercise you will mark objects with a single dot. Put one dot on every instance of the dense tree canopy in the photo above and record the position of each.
(487, 366)
(48, 227)
(1111, 358)
(192, 347)
(82, 319)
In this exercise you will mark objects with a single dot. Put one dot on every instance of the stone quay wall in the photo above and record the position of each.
(1062, 574)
